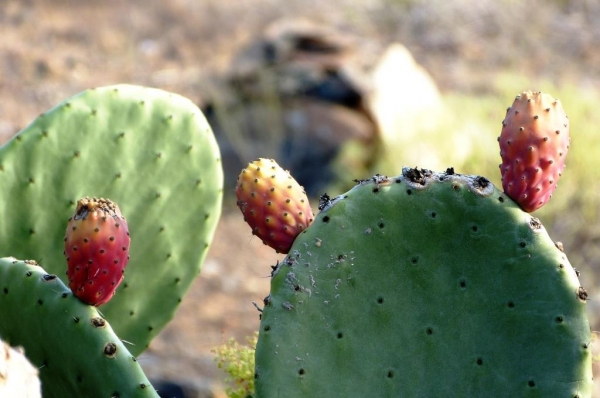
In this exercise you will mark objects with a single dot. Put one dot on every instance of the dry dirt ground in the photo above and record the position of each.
(50, 50)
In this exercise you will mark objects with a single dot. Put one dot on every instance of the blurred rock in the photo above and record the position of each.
(297, 94)
(406, 103)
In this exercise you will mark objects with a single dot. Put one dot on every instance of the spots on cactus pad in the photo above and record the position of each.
(535, 224)
(98, 322)
(416, 176)
(110, 350)
(582, 294)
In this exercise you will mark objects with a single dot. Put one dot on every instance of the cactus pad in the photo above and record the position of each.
(424, 285)
(74, 348)
(150, 151)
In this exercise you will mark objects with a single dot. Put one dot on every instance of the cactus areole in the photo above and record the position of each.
(424, 285)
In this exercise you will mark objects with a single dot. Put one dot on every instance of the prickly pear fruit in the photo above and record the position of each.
(97, 250)
(533, 145)
(273, 203)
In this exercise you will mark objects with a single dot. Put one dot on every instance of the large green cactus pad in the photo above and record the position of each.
(74, 348)
(424, 285)
(151, 152)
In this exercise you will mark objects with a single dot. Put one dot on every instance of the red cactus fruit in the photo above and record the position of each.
(273, 203)
(97, 250)
(533, 145)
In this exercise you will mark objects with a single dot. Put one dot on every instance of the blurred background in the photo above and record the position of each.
(334, 91)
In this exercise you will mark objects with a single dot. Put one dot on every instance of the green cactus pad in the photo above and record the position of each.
(74, 348)
(424, 285)
(152, 153)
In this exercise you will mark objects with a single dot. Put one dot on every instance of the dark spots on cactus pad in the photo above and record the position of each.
(531, 383)
(380, 300)
(390, 374)
(582, 294)
(535, 224)
(340, 335)
(28, 273)
(98, 322)
(462, 284)
(429, 331)
(479, 361)
(110, 350)
(266, 328)
(481, 182)
(501, 199)
(409, 192)
(381, 225)
(414, 260)
(474, 228)
(511, 304)
(416, 176)
(326, 219)
(301, 372)
(5, 290)
(48, 277)
(40, 302)
(559, 319)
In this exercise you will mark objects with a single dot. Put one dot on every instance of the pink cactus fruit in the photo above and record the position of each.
(273, 204)
(533, 145)
(97, 250)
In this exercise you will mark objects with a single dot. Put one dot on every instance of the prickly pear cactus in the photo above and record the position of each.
(74, 348)
(150, 151)
(424, 285)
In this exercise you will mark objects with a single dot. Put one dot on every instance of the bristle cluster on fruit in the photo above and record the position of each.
(97, 250)
(533, 145)
(273, 203)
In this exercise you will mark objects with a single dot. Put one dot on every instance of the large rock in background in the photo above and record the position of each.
(323, 101)
(407, 105)
(299, 94)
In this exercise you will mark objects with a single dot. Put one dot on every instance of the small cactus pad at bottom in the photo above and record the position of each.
(424, 285)
(74, 348)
